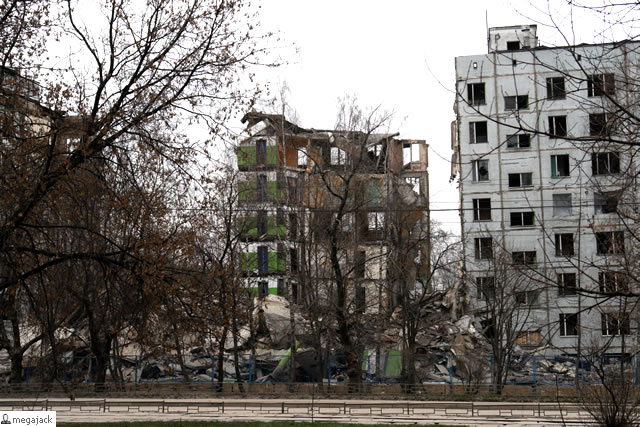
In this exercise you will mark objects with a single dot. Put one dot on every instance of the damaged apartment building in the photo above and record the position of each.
(544, 154)
(313, 200)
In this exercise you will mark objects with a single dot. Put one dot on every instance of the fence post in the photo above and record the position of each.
(213, 368)
(328, 371)
(250, 372)
(577, 366)
(533, 370)
(450, 374)
(493, 382)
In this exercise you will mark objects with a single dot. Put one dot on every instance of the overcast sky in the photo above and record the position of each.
(398, 55)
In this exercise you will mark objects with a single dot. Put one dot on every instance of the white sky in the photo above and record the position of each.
(398, 55)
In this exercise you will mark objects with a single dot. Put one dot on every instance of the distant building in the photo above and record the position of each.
(541, 179)
(289, 179)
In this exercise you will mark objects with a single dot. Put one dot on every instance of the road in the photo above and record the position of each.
(353, 411)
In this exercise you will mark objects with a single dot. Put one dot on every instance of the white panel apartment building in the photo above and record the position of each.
(544, 189)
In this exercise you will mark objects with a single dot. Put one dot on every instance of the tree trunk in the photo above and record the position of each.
(220, 368)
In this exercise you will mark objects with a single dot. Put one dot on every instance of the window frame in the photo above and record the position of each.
(479, 211)
(476, 170)
(599, 124)
(556, 125)
(612, 325)
(476, 94)
(556, 88)
(564, 290)
(605, 163)
(601, 84)
(528, 298)
(519, 139)
(474, 136)
(557, 207)
(516, 102)
(483, 248)
(567, 321)
(558, 163)
(486, 288)
(375, 221)
(526, 219)
(605, 202)
(612, 282)
(524, 257)
(610, 242)
(337, 156)
(520, 175)
(564, 244)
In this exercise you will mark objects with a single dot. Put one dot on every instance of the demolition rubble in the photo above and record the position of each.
(447, 352)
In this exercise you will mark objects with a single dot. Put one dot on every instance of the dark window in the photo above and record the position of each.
(263, 289)
(360, 299)
(521, 140)
(262, 188)
(606, 202)
(375, 220)
(524, 257)
(615, 324)
(262, 223)
(555, 88)
(261, 152)
(557, 126)
(522, 219)
(599, 125)
(513, 45)
(478, 132)
(612, 282)
(568, 324)
(605, 163)
(263, 259)
(483, 248)
(564, 244)
(610, 242)
(562, 204)
(520, 102)
(481, 170)
(486, 288)
(475, 94)
(293, 226)
(566, 284)
(282, 288)
(482, 209)
(527, 297)
(559, 165)
(520, 180)
(360, 264)
(601, 84)
(293, 260)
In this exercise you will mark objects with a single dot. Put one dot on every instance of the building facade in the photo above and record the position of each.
(297, 185)
(547, 188)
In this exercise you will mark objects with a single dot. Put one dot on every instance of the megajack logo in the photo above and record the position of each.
(28, 418)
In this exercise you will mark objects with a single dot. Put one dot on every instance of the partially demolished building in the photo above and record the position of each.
(316, 200)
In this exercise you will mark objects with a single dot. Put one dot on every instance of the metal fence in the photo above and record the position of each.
(531, 370)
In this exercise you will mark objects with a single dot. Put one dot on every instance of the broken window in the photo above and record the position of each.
(605, 163)
(567, 285)
(478, 132)
(486, 288)
(375, 220)
(519, 102)
(564, 244)
(555, 88)
(515, 45)
(557, 126)
(599, 124)
(610, 243)
(559, 165)
(414, 182)
(302, 157)
(262, 188)
(529, 338)
(475, 93)
(612, 282)
(522, 219)
(615, 324)
(606, 202)
(338, 156)
(520, 140)
(517, 180)
(261, 152)
(568, 324)
(524, 257)
(263, 259)
(410, 153)
(527, 297)
(482, 209)
(480, 170)
(601, 84)
(562, 205)
(483, 248)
